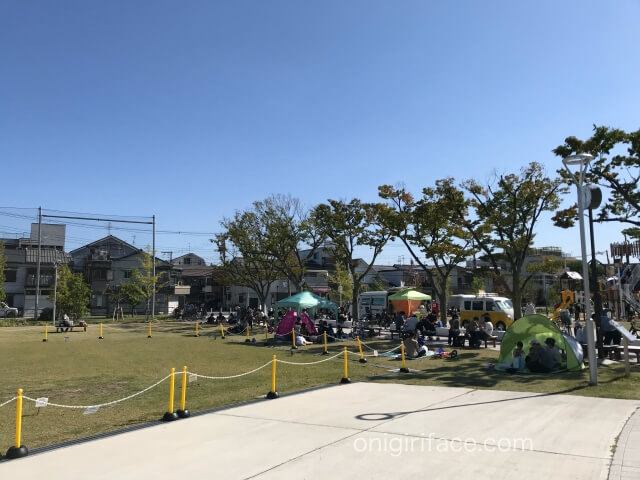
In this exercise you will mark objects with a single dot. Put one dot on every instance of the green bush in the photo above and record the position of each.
(46, 315)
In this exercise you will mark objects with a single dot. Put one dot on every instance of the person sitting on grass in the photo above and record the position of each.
(554, 352)
(540, 359)
(411, 348)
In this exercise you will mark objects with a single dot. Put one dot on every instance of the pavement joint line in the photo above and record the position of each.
(358, 432)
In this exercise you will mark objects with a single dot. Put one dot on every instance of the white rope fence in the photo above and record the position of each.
(310, 363)
(107, 404)
(231, 376)
(7, 402)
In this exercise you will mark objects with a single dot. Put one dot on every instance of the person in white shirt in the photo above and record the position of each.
(488, 326)
(530, 308)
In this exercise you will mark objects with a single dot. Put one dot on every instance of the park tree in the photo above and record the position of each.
(132, 293)
(3, 262)
(244, 254)
(349, 225)
(146, 281)
(427, 227)
(504, 216)
(342, 285)
(72, 293)
(616, 168)
(287, 229)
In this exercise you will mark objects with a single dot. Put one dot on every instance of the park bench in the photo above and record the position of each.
(64, 328)
(465, 338)
(615, 352)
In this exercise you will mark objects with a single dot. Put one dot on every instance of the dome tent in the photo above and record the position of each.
(540, 327)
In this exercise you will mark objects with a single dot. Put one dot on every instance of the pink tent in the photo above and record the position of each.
(289, 320)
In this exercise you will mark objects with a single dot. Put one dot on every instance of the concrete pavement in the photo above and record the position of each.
(369, 430)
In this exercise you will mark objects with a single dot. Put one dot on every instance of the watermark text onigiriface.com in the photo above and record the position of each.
(396, 445)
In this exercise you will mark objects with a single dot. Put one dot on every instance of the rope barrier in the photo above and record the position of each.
(49, 404)
(310, 363)
(7, 402)
(230, 376)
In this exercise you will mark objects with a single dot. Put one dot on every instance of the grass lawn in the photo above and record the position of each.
(86, 371)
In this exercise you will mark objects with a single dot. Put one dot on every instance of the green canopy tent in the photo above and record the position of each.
(538, 326)
(307, 300)
(407, 300)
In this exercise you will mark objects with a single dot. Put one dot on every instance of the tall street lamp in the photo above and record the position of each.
(582, 161)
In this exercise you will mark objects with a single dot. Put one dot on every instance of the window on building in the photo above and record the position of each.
(187, 261)
(10, 275)
(127, 274)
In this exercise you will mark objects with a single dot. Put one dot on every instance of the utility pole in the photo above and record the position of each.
(55, 290)
(35, 314)
(153, 259)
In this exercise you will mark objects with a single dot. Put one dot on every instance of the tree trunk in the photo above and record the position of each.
(354, 300)
(516, 293)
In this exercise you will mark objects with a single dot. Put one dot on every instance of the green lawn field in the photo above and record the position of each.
(76, 368)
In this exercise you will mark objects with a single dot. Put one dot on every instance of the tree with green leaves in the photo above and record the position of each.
(428, 229)
(245, 258)
(340, 280)
(504, 217)
(348, 225)
(3, 262)
(616, 168)
(288, 228)
(131, 291)
(72, 293)
(145, 279)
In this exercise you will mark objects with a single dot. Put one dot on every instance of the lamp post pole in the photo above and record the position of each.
(582, 161)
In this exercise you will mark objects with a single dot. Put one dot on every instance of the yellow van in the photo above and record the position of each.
(499, 309)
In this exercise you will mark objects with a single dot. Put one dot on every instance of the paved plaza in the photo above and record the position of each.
(368, 430)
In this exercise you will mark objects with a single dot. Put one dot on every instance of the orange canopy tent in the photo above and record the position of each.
(407, 300)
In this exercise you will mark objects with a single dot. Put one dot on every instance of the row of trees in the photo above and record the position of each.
(441, 227)
(73, 294)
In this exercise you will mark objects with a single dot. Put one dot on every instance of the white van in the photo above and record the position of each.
(372, 303)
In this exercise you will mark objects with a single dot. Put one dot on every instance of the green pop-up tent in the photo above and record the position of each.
(540, 327)
(306, 300)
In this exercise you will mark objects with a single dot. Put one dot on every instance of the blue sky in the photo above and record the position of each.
(192, 110)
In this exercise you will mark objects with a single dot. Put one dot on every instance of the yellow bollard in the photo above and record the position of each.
(293, 338)
(18, 450)
(346, 379)
(183, 412)
(101, 337)
(403, 368)
(272, 393)
(170, 414)
(246, 340)
(149, 334)
(326, 352)
(197, 335)
(362, 359)
(222, 330)
(46, 328)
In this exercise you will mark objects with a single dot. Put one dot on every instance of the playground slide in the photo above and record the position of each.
(567, 299)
